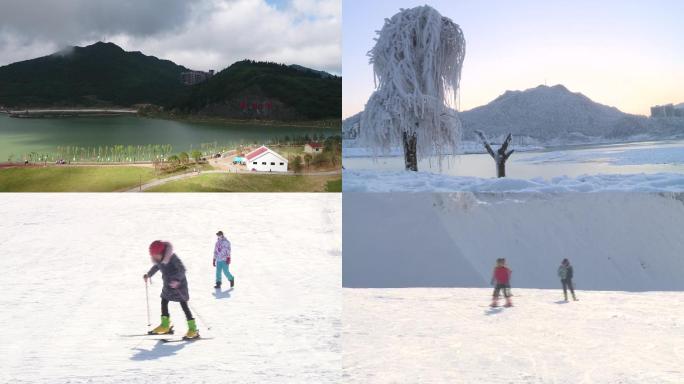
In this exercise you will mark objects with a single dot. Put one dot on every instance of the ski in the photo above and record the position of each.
(184, 339)
(148, 334)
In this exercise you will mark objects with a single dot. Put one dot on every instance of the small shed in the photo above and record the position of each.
(263, 159)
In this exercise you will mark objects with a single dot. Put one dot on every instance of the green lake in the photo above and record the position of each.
(19, 137)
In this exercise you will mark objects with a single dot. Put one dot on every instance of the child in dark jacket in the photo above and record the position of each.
(175, 287)
(501, 279)
(566, 273)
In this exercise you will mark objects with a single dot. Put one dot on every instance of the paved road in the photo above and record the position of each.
(190, 175)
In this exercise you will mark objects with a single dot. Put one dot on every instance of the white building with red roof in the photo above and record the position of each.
(263, 159)
(313, 148)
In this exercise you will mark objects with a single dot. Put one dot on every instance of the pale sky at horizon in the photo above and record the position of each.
(627, 54)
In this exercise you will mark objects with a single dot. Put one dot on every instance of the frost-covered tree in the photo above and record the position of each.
(417, 60)
(501, 155)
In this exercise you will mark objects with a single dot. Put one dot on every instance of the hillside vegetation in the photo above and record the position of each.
(249, 89)
(101, 74)
(104, 75)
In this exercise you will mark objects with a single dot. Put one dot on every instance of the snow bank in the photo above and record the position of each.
(402, 181)
(616, 241)
(72, 267)
(418, 335)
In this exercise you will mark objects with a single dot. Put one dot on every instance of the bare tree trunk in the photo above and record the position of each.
(410, 155)
(501, 155)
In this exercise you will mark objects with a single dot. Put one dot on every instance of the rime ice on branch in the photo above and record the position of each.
(417, 60)
(501, 155)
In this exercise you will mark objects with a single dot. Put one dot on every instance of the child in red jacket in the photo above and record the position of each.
(501, 279)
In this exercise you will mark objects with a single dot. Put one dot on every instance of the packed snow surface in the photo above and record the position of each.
(72, 267)
(404, 181)
(615, 241)
(449, 335)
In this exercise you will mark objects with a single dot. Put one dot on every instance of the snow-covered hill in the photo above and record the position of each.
(543, 112)
(554, 115)
(616, 241)
(448, 335)
(71, 269)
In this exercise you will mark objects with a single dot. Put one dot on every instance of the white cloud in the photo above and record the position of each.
(214, 34)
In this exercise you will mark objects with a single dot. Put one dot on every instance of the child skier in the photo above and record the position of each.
(175, 287)
(565, 272)
(501, 279)
(222, 260)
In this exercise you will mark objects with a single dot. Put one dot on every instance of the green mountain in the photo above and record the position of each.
(101, 74)
(262, 90)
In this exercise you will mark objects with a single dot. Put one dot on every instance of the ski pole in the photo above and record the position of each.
(199, 316)
(147, 300)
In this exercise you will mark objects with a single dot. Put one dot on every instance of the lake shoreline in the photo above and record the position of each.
(57, 138)
(69, 112)
(327, 124)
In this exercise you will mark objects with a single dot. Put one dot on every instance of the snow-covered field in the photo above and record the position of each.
(71, 275)
(638, 166)
(449, 335)
(350, 150)
(403, 181)
(417, 270)
(634, 154)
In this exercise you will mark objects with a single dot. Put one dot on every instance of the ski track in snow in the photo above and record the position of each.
(72, 267)
(449, 335)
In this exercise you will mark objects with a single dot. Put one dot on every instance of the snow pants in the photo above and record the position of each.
(506, 288)
(567, 284)
(222, 267)
(184, 305)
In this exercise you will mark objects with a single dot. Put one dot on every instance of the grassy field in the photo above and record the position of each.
(334, 185)
(253, 183)
(72, 179)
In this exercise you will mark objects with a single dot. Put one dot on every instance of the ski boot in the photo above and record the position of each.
(509, 303)
(165, 328)
(232, 282)
(495, 302)
(192, 333)
(218, 285)
(574, 298)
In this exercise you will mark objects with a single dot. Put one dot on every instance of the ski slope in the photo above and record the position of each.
(449, 335)
(71, 271)
(616, 241)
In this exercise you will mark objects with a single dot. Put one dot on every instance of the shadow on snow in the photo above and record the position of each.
(159, 350)
(223, 294)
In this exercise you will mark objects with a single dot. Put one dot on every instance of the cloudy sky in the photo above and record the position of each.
(624, 53)
(199, 34)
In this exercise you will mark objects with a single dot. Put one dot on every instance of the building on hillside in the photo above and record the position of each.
(263, 159)
(313, 148)
(195, 77)
(668, 110)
